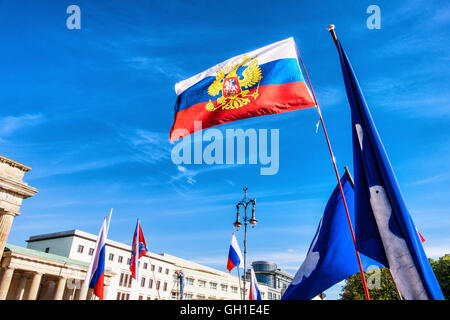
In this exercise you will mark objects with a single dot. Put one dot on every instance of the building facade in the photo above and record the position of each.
(157, 275)
(277, 280)
(28, 274)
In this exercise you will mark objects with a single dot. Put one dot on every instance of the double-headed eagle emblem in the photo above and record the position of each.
(235, 90)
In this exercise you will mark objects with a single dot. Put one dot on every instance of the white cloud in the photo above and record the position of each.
(11, 124)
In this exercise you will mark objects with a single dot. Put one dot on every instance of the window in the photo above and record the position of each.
(165, 286)
(234, 289)
(150, 283)
(142, 282)
(224, 287)
(153, 267)
(158, 284)
(145, 265)
(130, 278)
(123, 296)
(149, 298)
(269, 295)
(188, 296)
(190, 281)
(121, 280)
(80, 248)
(120, 259)
(200, 297)
(213, 285)
(167, 271)
(91, 251)
(160, 269)
(47, 250)
(140, 298)
(111, 257)
(201, 283)
(129, 261)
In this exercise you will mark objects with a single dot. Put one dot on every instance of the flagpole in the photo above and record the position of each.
(240, 290)
(109, 221)
(396, 288)
(333, 159)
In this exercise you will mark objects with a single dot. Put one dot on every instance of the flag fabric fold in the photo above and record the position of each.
(261, 82)
(331, 257)
(234, 254)
(96, 271)
(384, 229)
(255, 293)
(138, 249)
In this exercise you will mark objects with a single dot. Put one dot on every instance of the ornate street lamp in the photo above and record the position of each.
(245, 202)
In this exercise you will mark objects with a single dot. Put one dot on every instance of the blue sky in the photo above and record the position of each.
(90, 111)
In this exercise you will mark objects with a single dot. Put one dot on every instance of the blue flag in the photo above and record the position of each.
(384, 229)
(331, 257)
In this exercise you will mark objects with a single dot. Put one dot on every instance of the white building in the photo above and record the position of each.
(157, 272)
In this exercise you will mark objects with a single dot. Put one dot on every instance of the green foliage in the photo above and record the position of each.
(441, 269)
(383, 286)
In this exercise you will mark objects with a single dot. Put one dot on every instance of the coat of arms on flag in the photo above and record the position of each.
(228, 81)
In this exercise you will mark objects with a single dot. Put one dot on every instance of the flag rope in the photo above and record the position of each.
(361, 271)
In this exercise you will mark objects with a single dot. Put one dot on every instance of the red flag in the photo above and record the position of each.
(422, 239)
(138, 249)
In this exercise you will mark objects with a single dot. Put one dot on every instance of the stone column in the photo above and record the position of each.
(59, 292)
(6, 220)
(21, 287)
(35, 282)
(12, 191)
(105, 291)
(83, 291)
(5, 283)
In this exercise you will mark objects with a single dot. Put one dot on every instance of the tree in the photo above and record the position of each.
(380, 288)
(381, 285)
(441, 269)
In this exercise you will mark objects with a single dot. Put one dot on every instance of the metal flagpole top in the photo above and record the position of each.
(333, 34)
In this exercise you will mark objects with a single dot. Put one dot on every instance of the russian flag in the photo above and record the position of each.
(97, 266)
(254, 294)
(138, 249)
(261, 82)
(234, 255)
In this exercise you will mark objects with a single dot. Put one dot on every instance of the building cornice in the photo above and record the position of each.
(15, 186)
(14, 164)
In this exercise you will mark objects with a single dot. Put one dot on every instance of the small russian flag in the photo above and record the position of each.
(254, 294)
(234, 255)
(97, 267)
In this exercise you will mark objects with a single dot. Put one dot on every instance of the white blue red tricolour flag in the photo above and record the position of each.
(96, 271)
(234, 255)
(254, 294)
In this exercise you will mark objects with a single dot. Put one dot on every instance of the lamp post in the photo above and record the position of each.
(245, 202)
